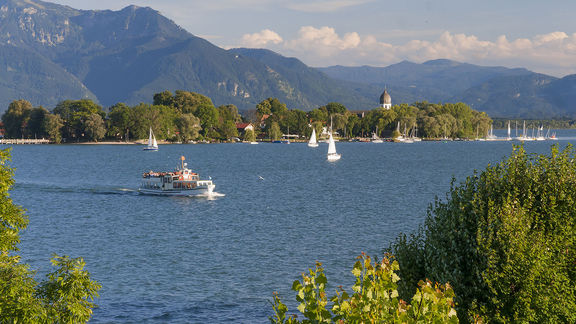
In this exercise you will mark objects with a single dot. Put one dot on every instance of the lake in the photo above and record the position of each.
(197, 260)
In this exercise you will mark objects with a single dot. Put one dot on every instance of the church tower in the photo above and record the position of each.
(385, 100)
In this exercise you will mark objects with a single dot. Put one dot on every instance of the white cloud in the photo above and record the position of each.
(324, 41)
(261, 38)
(551, 53)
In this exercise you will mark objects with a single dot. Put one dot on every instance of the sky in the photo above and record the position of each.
(534, 34)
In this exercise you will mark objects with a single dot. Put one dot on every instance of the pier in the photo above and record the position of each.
(11, 141)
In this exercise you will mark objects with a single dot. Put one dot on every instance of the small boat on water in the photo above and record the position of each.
(180, 182)
(152, 144)
(313, 142)
(332, 155)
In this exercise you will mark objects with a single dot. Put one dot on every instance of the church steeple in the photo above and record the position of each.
(385, 100)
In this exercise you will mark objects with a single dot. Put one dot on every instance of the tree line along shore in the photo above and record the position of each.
(186, 116)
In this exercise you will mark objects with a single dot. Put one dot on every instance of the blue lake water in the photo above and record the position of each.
(192, 260)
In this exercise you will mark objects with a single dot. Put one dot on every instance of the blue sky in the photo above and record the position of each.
(538, 35)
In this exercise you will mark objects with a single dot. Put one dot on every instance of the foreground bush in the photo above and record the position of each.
(505, 239)
(64, 297)
(374, 298)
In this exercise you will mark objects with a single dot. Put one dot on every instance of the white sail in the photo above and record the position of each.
(331, 145)
(152, 144)
(509, 138)
(313, 142)
(332, 155)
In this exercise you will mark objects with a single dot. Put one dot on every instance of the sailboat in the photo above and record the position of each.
(509, 138)
(491, 136)
(152, 144)
(332, 155)
(313, 142)
(376, 138)
(523, 137)
(540, 134)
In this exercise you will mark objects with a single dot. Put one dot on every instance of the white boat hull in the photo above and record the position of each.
(313, 144)
(334, 157)
(178, 192)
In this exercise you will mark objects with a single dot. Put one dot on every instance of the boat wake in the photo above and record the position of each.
(209, 196)
(51, 187)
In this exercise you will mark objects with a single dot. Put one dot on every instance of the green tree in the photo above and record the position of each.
(274, 132)
(264, 108)
(229, 130)
(162, 119)
(37, 122)
(163, 98)
(297, 120)
(94, 127)
(16, 117)
(374, 298)
(277, 108)
(229, 112)
(209, 118)
(338, 122)
(336, 108)
(319, 115)
(53, 125)
(120, 121)
(64, 297)
(74, 113)
(188, 127)
(249, 136)
(187, 102)
(505, 239)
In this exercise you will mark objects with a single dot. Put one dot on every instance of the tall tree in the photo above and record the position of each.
(274, 132)
(37, 122)
(229, 130)
(94, 127)
(53, 125)
(187, 102)
(208, 115)
(188, 127)
(229, 112)
(74, 113)
(336, 108)
(249, 136)
(16, 117)
(120, 121)
(164, 98)
(264, 108)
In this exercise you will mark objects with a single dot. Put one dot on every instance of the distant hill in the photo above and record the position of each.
(128, 55)
(50, 52)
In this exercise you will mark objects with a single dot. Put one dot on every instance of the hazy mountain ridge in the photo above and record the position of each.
(499, 91)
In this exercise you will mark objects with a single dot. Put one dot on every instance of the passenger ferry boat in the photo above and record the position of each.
(181, 182)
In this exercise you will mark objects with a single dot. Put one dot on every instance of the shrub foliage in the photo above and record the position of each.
(505, 239)
(373, 299)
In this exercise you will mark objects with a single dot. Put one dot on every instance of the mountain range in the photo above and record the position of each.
(50, 52)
